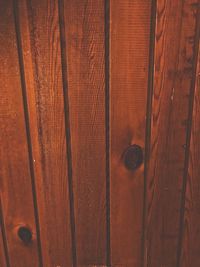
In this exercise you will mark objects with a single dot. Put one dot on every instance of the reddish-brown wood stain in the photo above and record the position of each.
(99, 133)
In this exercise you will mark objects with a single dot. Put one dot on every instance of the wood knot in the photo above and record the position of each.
(133, 157)
(25, 234)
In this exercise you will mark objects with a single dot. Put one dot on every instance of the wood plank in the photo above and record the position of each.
(15, 184)
(129, 57)
(40, 41)
(191, 225)
(102, 265)
(3, 262)
(2, 254)
(84, 28)
(174, 54)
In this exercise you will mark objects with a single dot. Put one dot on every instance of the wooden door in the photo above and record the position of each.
(99, 133)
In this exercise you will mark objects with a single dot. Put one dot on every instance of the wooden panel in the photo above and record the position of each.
(16, 188)
(2, 247)
(2, 255)
(191, 230)
(129, 56)
(174, 54)
(102, 265)
(84, 28)
(40, 41)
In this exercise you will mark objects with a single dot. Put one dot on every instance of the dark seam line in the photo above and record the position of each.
(148, 126)
(67, 126)
(188, 138)
(24, 96)
(107, 124)
(3, 231)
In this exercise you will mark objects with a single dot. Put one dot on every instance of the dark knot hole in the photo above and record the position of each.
(25, 234)
(133, 157)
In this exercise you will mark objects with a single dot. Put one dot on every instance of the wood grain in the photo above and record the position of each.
(2, 254)
(3, 262)
(15, 183)
(84, 31)
(174, 54)
(102, 265)
(191, 228)
(129, 56)
(40, 41)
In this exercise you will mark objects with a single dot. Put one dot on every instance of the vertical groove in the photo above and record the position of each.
(67, 126)
(188, 138)
(3, 231)
(25, 104)
(107, 125)
(148, 125)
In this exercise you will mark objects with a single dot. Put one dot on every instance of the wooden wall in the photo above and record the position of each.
(86, 87)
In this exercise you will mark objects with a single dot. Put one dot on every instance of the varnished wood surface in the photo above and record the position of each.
(81, 81)
(118, 265)
(129, 54)
(41, 55)
(189, 255)
(84, 44)
(2, 254)
(174, 57)
(3, 261)
(15, 183)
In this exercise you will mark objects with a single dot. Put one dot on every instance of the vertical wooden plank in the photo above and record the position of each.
(189, 255)
(84, 28)
(129, 57)
(2, 253)
(40, 41)
(174, 58)
(3, 249)
(15, 183)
